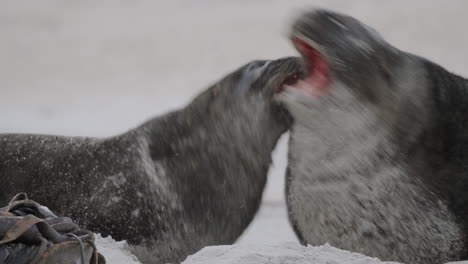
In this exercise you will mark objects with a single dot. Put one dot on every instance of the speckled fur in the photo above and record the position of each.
(177, 183)
(378, 166)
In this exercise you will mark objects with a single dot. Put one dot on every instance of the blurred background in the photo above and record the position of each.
(99, 68)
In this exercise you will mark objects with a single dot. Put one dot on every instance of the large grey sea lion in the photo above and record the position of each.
(188, 179)
(378, 153)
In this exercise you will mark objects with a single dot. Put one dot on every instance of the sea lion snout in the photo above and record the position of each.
(264, 77)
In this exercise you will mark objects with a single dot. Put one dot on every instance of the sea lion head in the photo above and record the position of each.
(353, 75)
(243, 102)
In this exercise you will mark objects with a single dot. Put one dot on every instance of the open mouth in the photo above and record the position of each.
(317, 78)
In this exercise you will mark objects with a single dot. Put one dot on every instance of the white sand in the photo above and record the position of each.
(285, 253)
(115, 252)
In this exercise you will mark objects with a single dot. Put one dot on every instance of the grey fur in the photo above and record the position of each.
(378, 166)
(185, 180)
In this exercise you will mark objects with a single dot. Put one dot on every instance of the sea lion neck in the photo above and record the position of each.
(222, 132)
(203, 142)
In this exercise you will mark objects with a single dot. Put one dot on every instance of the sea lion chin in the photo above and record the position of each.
(181, 181)
(378, 149)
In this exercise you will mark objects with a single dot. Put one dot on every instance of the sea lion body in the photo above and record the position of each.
(188, 179)
(378, 159)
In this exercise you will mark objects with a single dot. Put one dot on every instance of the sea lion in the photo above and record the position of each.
(191, 178)
(378, 160)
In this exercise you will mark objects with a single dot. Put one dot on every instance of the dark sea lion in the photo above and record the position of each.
(378, 159)
(188, 179)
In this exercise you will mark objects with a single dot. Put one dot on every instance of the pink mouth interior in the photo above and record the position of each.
(317, 81)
